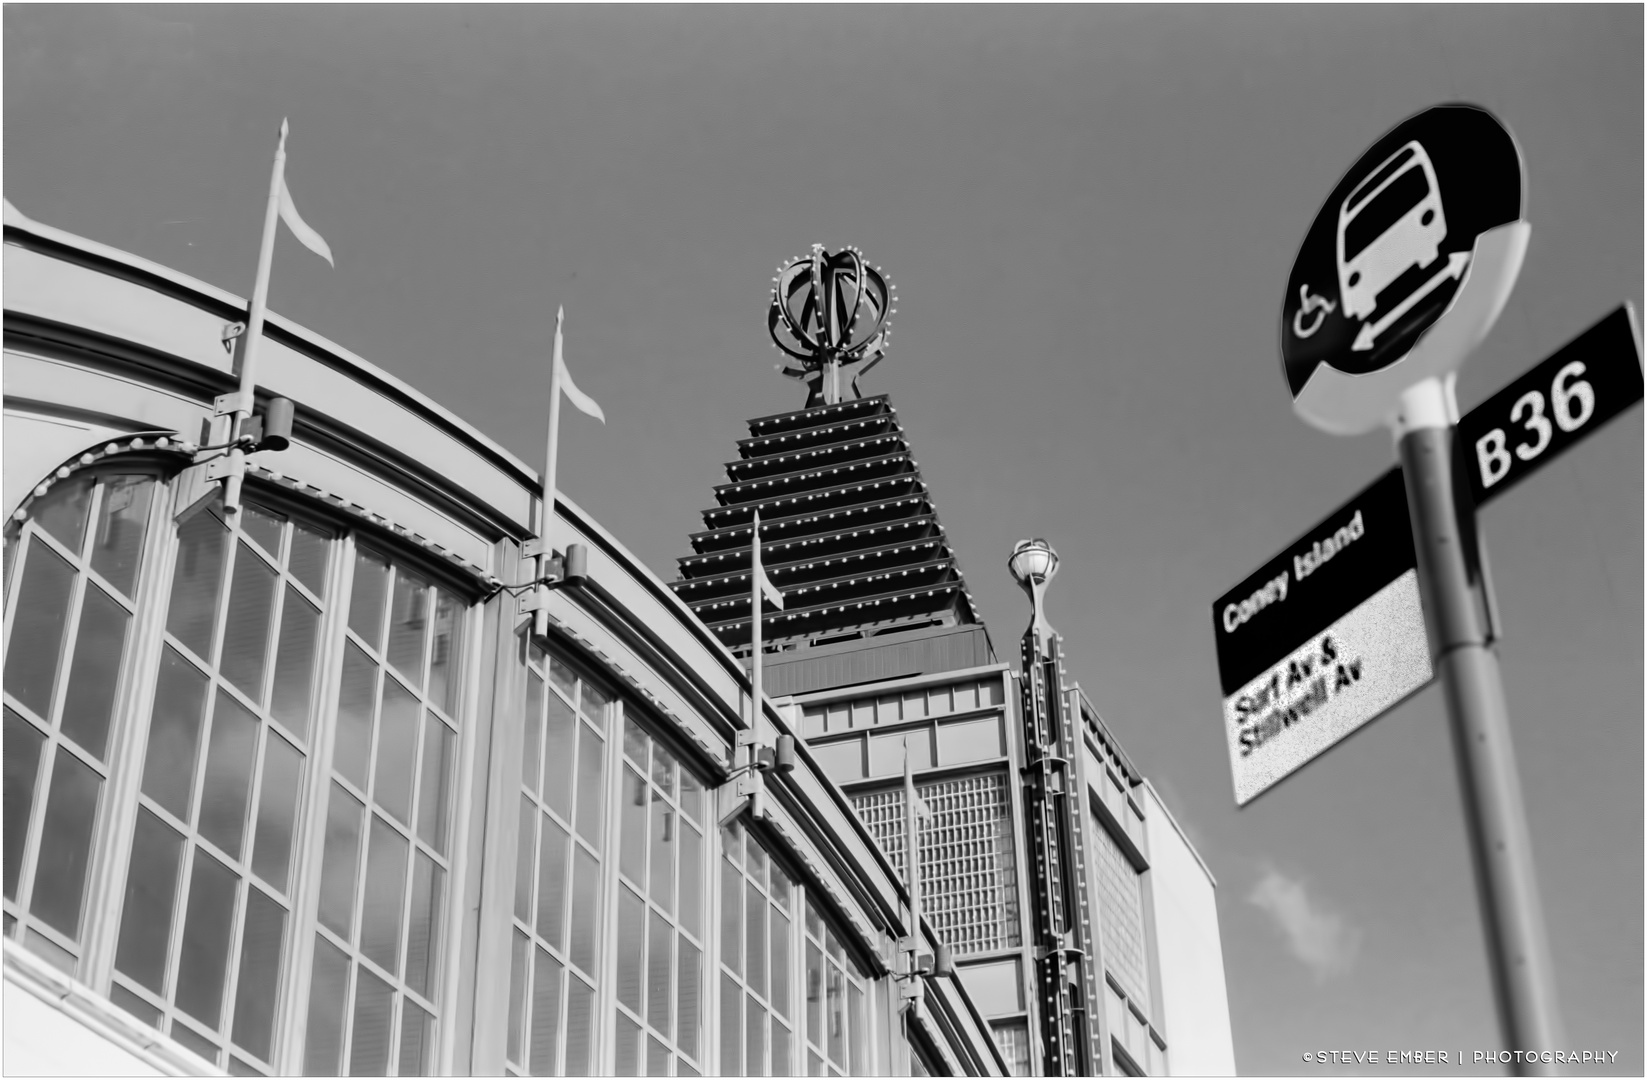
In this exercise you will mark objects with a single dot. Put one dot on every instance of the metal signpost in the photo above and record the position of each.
(1403, 273)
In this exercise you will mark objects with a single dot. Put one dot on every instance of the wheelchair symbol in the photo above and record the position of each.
(1320, 305)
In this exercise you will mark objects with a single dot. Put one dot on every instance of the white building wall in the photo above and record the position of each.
(1195, 1006)
(54, 1026)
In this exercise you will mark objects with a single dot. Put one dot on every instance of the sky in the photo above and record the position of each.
(1090, 215)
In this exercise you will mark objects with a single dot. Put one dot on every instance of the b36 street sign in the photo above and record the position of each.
(1321, 639)
(1580, 387)
(1337, 595)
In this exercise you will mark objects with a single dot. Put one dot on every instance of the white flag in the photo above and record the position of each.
(760, 584)
(911, 796)
(585, 404)
(300, 228)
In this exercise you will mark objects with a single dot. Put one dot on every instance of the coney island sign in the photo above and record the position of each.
(1427, 223)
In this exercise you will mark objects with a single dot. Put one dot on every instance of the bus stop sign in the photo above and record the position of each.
(1427, 224)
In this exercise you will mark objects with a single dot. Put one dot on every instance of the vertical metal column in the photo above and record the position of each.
(1062, 922)
(1505, 879)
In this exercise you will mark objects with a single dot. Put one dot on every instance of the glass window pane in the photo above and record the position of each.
(276, 812)
(691, 879)
(857, 1037)
(432, 788)
(657, 1057)
(886, 709)
(122, 998)
(524, 846)
(593, 703)
(545, 1013)
(174, 734)
(835, 1012)
(591, 791)
(385, 888)
(259, 983)
(423, 938)
(631, 947)
(207, 933)
(446, 658)
(94, 672)
(662, 877)
(559, 754)
(65, 844)
(310, 553)
(337, 877)
(966, 697)
(938, 700)
(295, 663)
(781, 1050)
(552, 884)
(756, 858)
(731, 918)
(562, 677)
(580, 1023)
(151, 892)
(262, 525)
(690, 998)
(779, 995)
(358, 693)
(632, 823)
(328, 996)
(517, 994)
(585, 909)
(691, 796)
(122, 522)
(814, 1065)
(408, 625)
(22, 755)
(62, 511)
(202, 549)
(396, 751)
(371, 586)
(814, 994)
(755, 937)
(228, 785)
(246, 628)
(626, 1053)
(635, 743)
(531, 757)
(196, 1043)
(36, 643)
(914, 705)
(731, 1027)
(416, 1040)
(754, 1038)
(659, 971)
(369, 1053)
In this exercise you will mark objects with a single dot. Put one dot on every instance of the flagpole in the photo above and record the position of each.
(912, 846)
(540, 617)
(755, 601)
(254, 331)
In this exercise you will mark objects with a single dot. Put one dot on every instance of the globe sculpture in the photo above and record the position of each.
(829, 312)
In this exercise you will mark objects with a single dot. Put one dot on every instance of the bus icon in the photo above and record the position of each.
(1391, 222)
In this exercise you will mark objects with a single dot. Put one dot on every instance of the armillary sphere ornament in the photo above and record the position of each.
(830, 311)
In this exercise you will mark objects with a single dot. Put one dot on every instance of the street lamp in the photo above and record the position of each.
(1033, 563)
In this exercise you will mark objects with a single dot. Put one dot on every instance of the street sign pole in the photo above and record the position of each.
(1506, 883)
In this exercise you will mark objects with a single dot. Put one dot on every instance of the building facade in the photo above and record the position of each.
(296, 790)
(878, 653)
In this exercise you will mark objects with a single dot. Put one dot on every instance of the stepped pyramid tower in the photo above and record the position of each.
(849, 533)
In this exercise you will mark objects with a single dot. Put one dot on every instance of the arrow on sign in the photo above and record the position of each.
(1370, 331)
